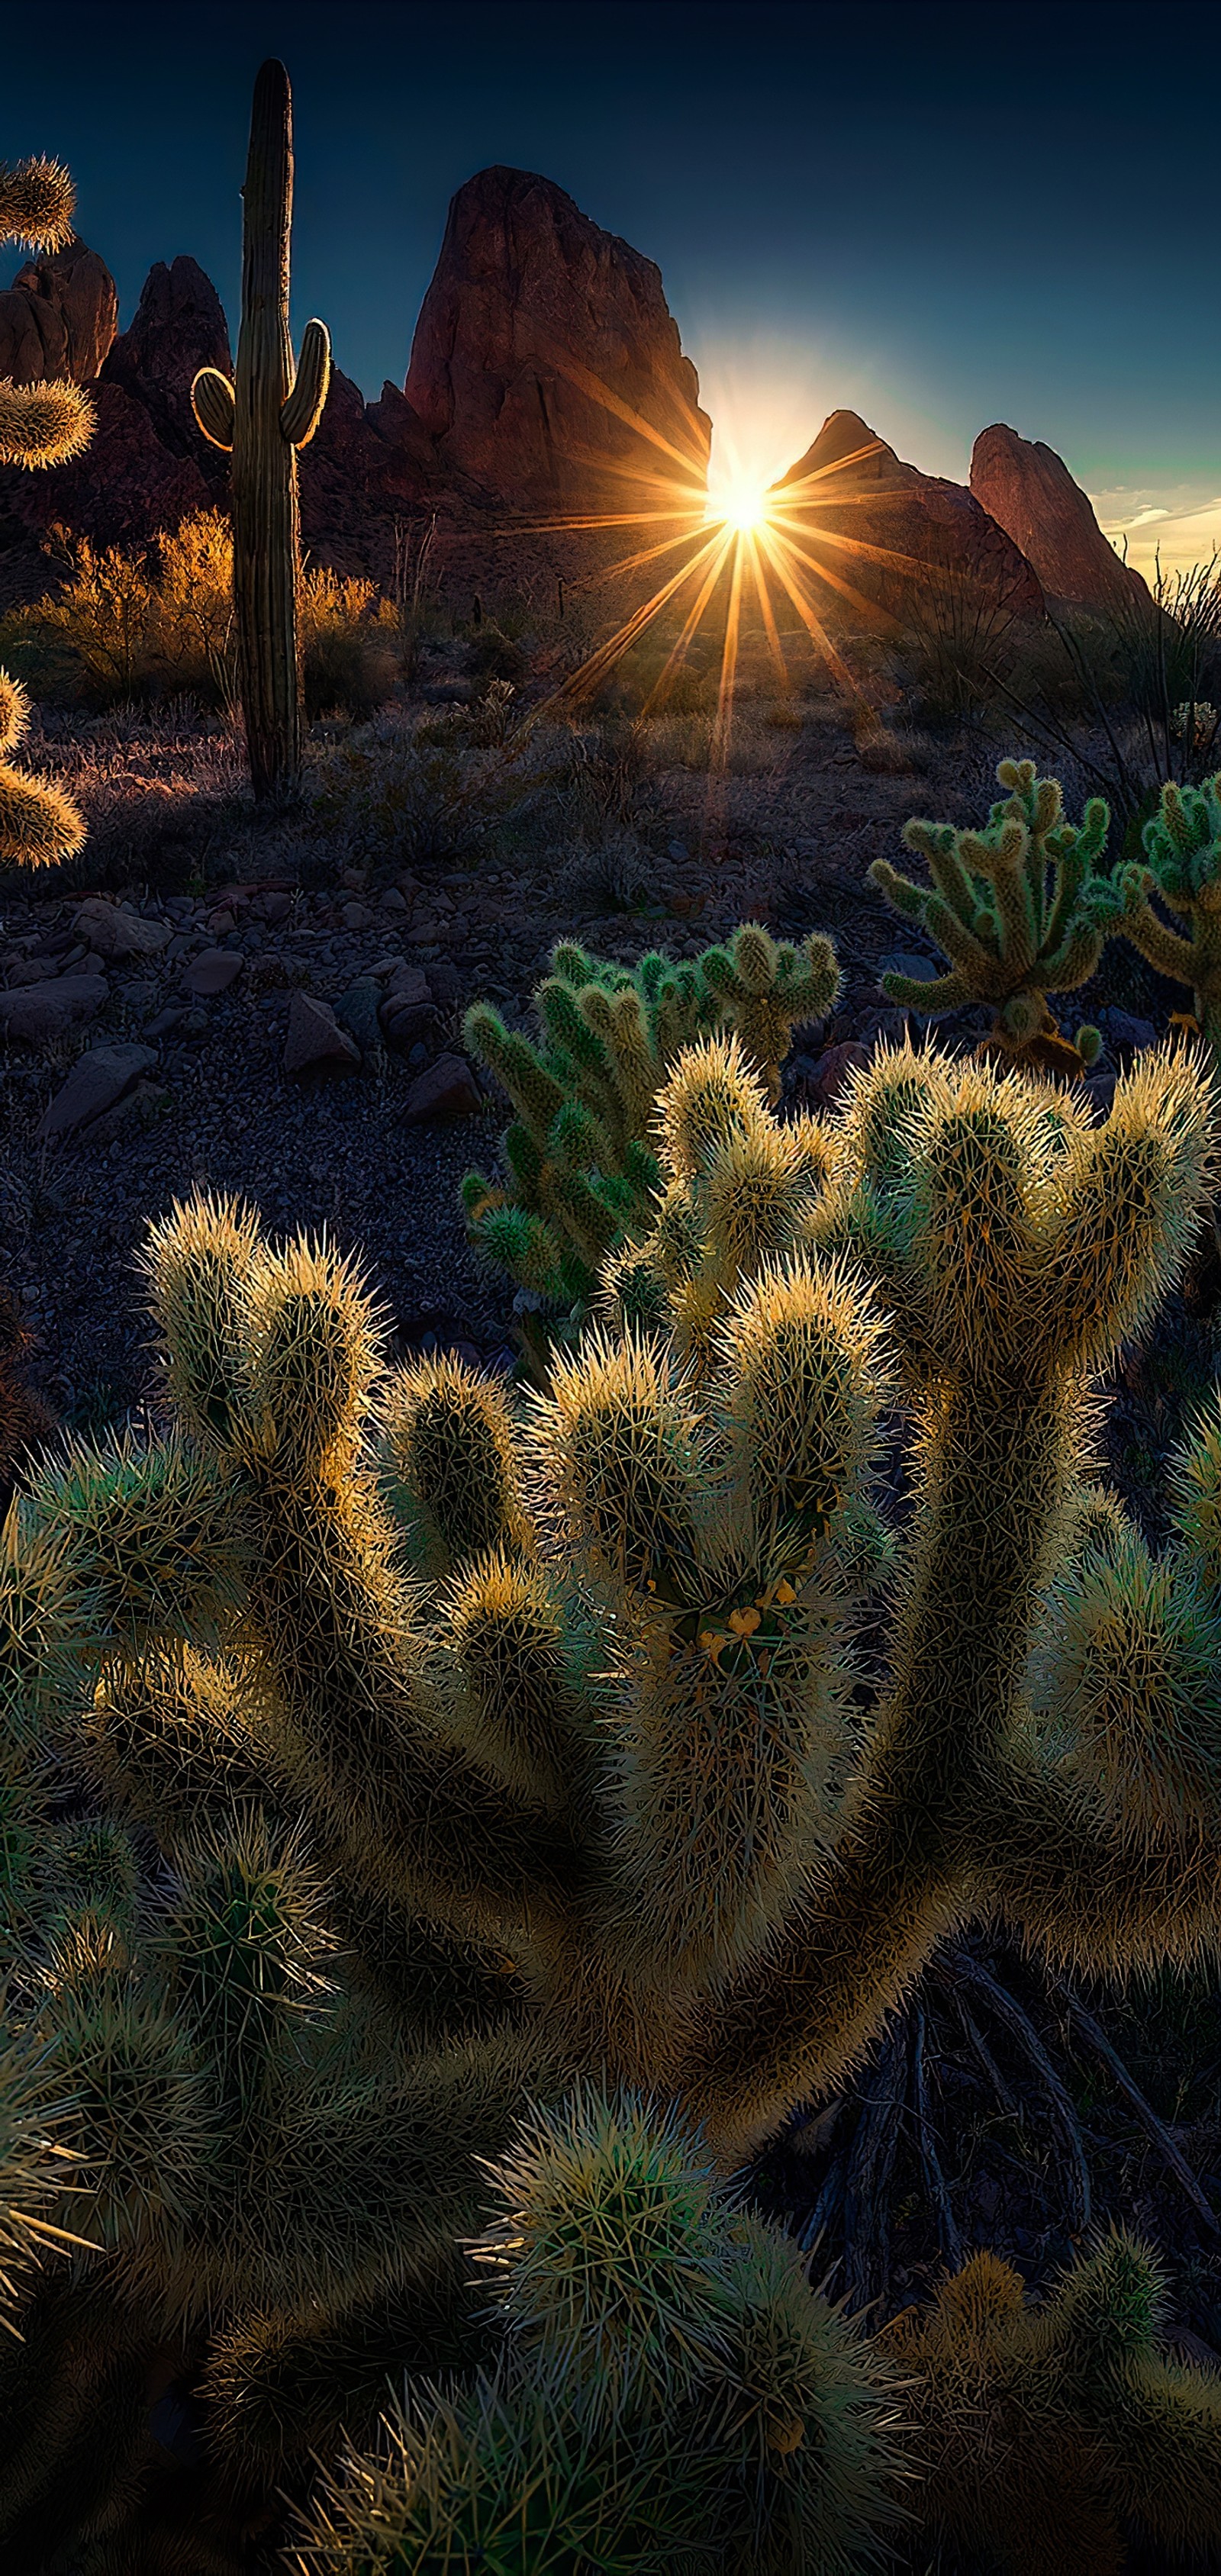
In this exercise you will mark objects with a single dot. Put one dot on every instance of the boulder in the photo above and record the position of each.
(58, 317)
(407, 986)
(213, 971)
(546, 365)
(447, 1090)
(314, 1042)
(40, 1012)
(111, 931)
(1029, 491)
(98, 1079)
(832, 1069)
(892, 533)
(356, 1011)
(411, 1024)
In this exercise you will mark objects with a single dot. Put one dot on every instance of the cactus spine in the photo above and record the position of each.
(269, 412)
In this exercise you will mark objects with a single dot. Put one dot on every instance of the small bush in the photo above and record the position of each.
(132, 626)
(493, 655)
(350, 652)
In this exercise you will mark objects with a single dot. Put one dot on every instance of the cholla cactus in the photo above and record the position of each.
(1183, 869)
(271, 410)
(581, 1152)
(455, 1760)
(40, 425)
(1063, 2422)
(1015, 909)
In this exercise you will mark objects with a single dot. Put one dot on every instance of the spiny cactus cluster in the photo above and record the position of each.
(580, 1153)
(380, 1761)
(1182, 868)
(40, 425)
(1016, 909)
(271, 410)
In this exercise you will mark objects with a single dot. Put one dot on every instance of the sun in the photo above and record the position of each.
(744, 507)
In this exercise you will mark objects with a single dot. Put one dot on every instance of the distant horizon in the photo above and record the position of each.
(972, 222)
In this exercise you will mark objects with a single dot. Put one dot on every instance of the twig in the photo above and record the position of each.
(1095, 2037)
(869, 2163)
(984, 2058)
(958, 1964)
(948, 2236)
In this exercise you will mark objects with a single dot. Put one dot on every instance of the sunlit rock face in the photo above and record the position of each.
(546, 363)
(1029, 491)
(58, 317)
(885, 534)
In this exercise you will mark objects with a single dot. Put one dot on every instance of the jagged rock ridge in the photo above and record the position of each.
(882, 528)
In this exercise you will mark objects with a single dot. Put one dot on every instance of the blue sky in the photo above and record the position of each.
(941, 216)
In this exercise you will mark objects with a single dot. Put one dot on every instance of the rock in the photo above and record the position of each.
(392, 901)
(137, 1108)
(833, 1068)
(445, 983)
(58, 318)
(314, 1042)
(31, 970)
(178, 327)
(98, 1078)
(447, 1090)
(1121, 1029)
(355, 916)
(213, 971)
(412, 1024)
(1029, 491)
(194, 1024)
(277, 907)
(407, 985)
(113, 932)
(853, 485)
(165, 1023)
(356, 1011)
(531, 312)
(38, 1012)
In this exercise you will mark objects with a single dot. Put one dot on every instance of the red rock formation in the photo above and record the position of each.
(178, 327)
(546, 363)
(366, 465)
(881, 530)
(1029, 491)
(125, 487)
(58, 317)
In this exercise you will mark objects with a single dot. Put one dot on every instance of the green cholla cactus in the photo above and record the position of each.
(400, 1781)
(581, 1153)
(1183, 869)
(40, 425)
(1016, 909)
(270, 411)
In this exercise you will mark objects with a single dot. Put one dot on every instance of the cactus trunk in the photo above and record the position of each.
(266, 530)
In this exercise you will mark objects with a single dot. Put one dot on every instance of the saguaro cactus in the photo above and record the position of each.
(40, 425)
(263, 418)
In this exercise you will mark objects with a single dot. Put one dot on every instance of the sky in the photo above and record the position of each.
(938, 216)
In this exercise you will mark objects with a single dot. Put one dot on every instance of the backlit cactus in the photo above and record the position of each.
(40, 425)
(1182, 867)
(268, 412)
(403, 1779)
(581, 1154)
(1016, 909)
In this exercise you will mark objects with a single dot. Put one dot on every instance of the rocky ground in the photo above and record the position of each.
(303, 1048)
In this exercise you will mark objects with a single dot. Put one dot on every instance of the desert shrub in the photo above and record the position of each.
(350, 651)
(162, 795)
(618, 874)
(138, 624)
(399, 795)
(493, 655)
(958, 632)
